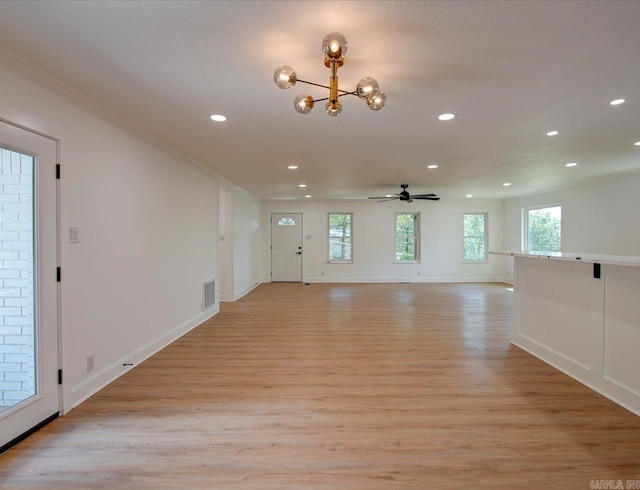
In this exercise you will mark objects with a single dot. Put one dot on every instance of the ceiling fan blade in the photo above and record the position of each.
(388, 199)
(420, 196)
(428, 198)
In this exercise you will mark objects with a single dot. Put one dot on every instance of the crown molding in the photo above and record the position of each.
(32, 73)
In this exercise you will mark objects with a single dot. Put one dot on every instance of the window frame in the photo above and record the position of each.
(525, 226)
(485, 260)
(416, 237)
(339, 261)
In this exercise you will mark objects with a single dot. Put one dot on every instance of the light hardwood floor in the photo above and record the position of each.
(343, 386)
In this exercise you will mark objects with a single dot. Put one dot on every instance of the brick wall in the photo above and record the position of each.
(17, 341)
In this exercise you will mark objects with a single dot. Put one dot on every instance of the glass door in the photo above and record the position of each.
(28, 284)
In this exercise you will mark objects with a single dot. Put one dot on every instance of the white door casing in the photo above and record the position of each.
(225, 245)
(45, 403)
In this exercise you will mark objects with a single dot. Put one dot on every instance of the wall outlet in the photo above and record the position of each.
(90, 363)
(418, 272)
(322, 273)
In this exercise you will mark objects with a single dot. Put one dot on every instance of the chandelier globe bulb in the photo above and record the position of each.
(285, 77)
(303, 104)
(334, 45)
(367, 88)
(376, 103)
(333, 109)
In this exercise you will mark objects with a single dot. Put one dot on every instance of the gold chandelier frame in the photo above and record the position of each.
(334, 47)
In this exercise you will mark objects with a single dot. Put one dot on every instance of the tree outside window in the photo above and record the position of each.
(340, 239)
(544, 229)
(407, 234)
(474, 237)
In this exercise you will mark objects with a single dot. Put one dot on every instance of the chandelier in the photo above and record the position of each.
(334, 47)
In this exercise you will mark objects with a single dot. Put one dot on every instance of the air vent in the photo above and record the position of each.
(209, 294)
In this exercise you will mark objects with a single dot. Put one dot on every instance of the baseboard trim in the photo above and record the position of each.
(90, 386)
(419, 279)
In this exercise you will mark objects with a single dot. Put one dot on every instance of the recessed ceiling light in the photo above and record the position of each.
(552, 133)
(302, 185)
(469, 195)
(389, 195)
(506, 184)
(637, 143)
(433, 165)
(447, 116)
(617, 102)
(218, 118)
(308, 196)
(292, 167)
(572, 164)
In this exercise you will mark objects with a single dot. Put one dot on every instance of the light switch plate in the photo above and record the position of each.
(74, 234)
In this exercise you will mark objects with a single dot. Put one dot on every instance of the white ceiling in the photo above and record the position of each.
(511, 71)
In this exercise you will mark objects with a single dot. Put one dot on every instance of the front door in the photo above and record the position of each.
(28, 284)
(286, 247)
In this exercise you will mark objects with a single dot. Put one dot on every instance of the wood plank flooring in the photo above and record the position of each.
(339, 386)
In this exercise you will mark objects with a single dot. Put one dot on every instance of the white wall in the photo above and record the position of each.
(600, 217)
(373, 241)
(148, 237)
(247, 243)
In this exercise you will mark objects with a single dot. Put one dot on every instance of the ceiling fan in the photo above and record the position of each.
(405, 196)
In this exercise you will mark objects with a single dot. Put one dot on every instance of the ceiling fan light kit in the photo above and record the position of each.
(334, 47)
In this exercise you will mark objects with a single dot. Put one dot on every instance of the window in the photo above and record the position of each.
(407, 237)
(286, 222)
(340, 239)
(542, 229)
(474, 237)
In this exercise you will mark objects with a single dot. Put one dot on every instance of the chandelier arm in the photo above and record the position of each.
(311, 83)
(327, 98)
(342, 92)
